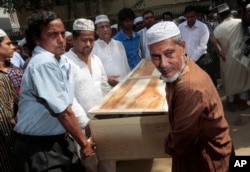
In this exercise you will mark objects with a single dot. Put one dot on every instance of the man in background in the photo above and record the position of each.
(110, 51)
(138, 23)
(90, 83)
(149, 20)
(69, 40)
(167, 16)
(235, 73)
(128, 37)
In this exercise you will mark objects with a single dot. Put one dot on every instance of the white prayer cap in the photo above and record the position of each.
(101, 18)
(67, 34)
(115, 26)
(248, 6)
(83, 24)
(222, 8)
(161, 31)
(182, 18)
(22, 42)
(234, 12)
(2, 33)
(138, 19)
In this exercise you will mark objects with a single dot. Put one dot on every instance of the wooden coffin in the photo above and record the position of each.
(141, 92)
(131, 121)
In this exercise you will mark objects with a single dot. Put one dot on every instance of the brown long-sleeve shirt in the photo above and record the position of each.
(199, 139)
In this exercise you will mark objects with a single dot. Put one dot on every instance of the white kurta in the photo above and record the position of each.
(144, 51)
(113, 57)
(89, 87)
(80, 114)
(236, 77)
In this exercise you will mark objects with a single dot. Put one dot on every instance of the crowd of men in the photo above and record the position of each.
(65, 73)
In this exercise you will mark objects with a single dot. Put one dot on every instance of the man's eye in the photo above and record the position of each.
(155, 58)
(168, 53)
(55, 34)
(63, 34)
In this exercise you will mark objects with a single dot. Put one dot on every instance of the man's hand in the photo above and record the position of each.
(222, 55)
(88, 150)
(113, 80)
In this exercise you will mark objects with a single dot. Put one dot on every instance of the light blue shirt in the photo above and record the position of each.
(131, 46)
(45, 92)
(17, 60)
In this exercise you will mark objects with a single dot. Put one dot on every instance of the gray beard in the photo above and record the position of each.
(176, 76)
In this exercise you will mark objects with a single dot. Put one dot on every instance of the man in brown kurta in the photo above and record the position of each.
(199, 138)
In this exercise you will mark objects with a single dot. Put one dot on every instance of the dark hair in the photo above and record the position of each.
(146, 12)
(224, 14)
(190, 8)
(199, 9)
(126, 13)
(35, 24)
(6, 62)
(168, 13)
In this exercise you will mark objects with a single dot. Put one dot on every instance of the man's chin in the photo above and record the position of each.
(59, 53)
(170, 79)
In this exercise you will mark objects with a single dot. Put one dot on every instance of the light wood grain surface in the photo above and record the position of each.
(141, 92)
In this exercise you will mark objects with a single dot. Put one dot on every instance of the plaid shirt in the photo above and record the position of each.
(15, 74)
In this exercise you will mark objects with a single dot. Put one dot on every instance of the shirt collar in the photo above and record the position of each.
(39, 50)
(62, 60)
(195, 24)
(124, 36)
(103, 42)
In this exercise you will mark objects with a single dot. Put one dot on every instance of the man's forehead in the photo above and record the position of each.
(87, 33)
(103, 23)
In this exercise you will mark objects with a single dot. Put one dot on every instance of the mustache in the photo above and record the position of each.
(166, 68)
(87, 47)
(59, 45)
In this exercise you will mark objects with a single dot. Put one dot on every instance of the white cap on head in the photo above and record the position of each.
(67, 34)
(2, 33)
(138, 19)
(248, 6)
(115, 26)
(234, 12)
(182, 18)
(83, 24)
(222, 8)
(101, 18)
(22, 42)
(161, 31)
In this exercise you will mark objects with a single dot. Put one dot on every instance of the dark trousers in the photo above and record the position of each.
(44, 154)
(210, 69)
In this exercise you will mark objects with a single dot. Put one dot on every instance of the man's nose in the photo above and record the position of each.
(164, 62)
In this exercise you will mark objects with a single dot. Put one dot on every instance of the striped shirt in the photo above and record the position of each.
(8, 97)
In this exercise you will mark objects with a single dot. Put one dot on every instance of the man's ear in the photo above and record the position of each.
(183, 45)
